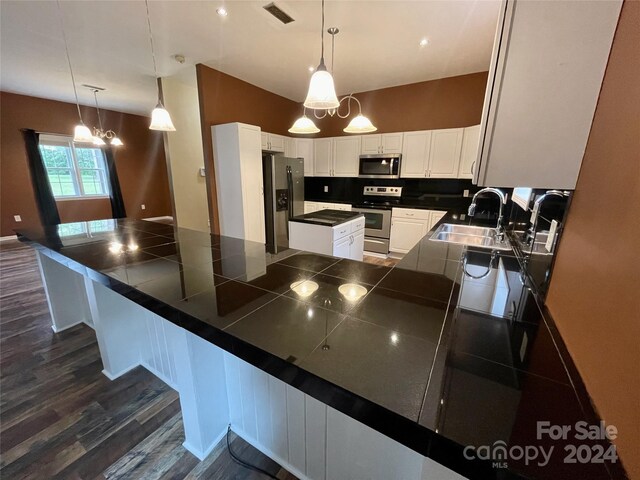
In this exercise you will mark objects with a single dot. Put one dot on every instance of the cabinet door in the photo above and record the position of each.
(444, 156)
(276, 142)
(370, 144)
(415, 154)
(304, 149)
(470, 140)
(322, 157)
(406, 233)
(252, 185)
(357, 245)
(391, 143)
(264, 141)
(290, 147)
(434, 217)
(342, 247)
(346, 156)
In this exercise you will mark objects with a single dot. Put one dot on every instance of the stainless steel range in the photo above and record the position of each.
(376, 208)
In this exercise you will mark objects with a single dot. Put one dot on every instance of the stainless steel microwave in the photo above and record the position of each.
(381, 165)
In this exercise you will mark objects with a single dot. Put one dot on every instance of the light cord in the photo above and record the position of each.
(322, 35)
(66, 49)
(153, 53)
(95, 95)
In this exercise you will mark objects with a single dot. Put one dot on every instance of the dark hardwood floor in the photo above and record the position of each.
(61, 418)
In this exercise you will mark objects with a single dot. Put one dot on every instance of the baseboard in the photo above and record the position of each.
(201, 455)
(58, 330)
(8, 238)
(375, 254)
(113, 376)
(155, 219)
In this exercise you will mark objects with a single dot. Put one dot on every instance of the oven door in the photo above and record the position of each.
(379, 166)
(377, 223)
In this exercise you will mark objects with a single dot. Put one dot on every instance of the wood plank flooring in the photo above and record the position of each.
(61, 418)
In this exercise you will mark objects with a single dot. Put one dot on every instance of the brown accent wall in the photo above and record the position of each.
(444, 103)
(594, 295)
(140, 163)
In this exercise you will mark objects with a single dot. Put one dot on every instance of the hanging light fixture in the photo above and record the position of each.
(304, 125)
(359, 124)
(99, 133)
(81, 134)
(322, 92)
(160, 118)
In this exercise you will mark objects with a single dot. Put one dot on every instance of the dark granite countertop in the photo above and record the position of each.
(445, 350)
(327, 217)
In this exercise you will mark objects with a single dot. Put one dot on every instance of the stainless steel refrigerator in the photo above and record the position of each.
(283, 197)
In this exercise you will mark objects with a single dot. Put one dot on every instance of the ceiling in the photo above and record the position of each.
(378, 45)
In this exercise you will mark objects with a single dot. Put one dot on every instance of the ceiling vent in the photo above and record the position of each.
(274, 10)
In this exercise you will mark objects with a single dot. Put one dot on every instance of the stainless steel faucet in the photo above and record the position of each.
(503, 202)
(536, 211)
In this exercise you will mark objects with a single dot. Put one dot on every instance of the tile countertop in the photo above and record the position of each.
(327, 217)
(445, 350)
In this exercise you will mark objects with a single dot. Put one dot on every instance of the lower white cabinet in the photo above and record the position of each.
(310, 207)
(345, 240)
(409, 226)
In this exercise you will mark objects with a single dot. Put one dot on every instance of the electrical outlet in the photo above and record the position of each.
(143, 206)
(465, 193)
(17, 218)
(326, 189)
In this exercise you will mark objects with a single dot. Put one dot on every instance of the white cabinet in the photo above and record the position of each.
(415, 154)
(470, 139)
(346, 156)
(322, 157)
(444, 155)
(545, 76)
(382, 143)
(409, 226)
(239, 184)
(336, 157)
(304, 149)
(272, 142)
(290, 150)
(310, 207)
(345, 240)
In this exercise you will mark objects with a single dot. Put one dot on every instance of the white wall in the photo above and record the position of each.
(184, 153)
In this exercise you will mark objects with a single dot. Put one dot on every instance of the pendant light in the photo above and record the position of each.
(360, 124)
(322, 92)
(160, 118)
(81, 133)
(304, 125)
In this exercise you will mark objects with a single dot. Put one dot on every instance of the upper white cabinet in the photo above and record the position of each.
(322, 157)
(239, 184)
(272, 142)
(546, 70)
(336, 157)
(382, 143)
(469, 155)
(415, 154)
(290, 150)
(304, 149)
(346, 156)
(444, 156)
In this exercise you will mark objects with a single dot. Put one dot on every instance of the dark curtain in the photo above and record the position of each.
(117, 203)
(45, 200)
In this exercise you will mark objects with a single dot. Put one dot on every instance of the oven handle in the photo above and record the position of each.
(374, 241)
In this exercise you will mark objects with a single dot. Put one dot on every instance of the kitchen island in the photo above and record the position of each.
(393, 379)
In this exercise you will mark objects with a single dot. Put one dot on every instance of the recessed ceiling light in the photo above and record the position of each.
(312, 68)
(222, 12)
(424, 42)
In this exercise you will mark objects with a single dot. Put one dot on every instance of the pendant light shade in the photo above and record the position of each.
(161, 120)
(322, 92)
(304, 126)
(116, 142)
(82, 134)
(360, 124)
(98, 142)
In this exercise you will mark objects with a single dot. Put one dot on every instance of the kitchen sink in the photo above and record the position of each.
(482, 237)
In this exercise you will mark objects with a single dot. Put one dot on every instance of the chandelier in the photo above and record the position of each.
(321, 97)
(99, 133)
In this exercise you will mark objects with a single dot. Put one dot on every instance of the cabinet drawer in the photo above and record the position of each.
(357, 225)
(341, 231)
(416, 214)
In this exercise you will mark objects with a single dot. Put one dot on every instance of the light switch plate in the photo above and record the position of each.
(143, 206)
(17, 218)
(326, 189)
(465, 193)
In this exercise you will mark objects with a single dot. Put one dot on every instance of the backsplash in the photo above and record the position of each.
(350, 189)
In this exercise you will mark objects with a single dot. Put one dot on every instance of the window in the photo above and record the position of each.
(74, 171)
